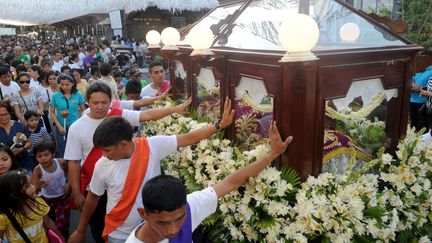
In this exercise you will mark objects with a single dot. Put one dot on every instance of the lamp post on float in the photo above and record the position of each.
(298, 34)
(201, 40)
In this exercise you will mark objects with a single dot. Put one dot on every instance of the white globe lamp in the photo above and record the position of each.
(349, 32)
(201, 40)
(153, 39)
(170, 37)
(298, 34)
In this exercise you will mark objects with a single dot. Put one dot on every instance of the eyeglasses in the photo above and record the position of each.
(4, 115)
(24, 82)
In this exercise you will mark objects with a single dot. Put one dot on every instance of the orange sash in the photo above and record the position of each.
(135, 177)
(90, 162)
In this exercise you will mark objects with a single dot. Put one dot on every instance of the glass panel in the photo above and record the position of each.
(180, 82)
(218, 15)
(208, 94)
(260, 21)
(354, 128)
(253, 112)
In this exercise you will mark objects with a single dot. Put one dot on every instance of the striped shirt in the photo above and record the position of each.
(40, 135)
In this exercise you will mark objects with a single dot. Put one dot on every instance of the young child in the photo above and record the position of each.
(105, 71)
(7, 160)
(118, 77)
(50, 178)
(132, 90)
(38, 133)
(126, 166)
(94, 71)
(19, 203)
(171, 216)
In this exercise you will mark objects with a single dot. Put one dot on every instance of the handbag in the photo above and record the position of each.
(53, 237)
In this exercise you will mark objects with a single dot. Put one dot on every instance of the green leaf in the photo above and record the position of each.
(290, 176)
(374, 212)
(362, 239)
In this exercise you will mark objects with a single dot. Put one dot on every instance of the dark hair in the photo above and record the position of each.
(45, 146)
(133, 87)
(45, 62)
(5, 148)
(98, 87)
(14, 198)
(112, 131)
(105, 69)
(65, 76)
(163, 193)
(64, 68)
(22, 74)
(21, 68)
(154, 64)
(56, 51)
(15, 63)
(73, 56)
(29, 114)
(8, 107)
(79, 70)
(4, 71)
(36, 68)
(94, 69)
(45, 75)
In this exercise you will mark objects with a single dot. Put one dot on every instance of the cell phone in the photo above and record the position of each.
(424, 88)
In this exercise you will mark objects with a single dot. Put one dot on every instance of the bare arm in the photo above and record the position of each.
(40, 107)
(197, 135)
(35, 179)
(150, 100)
(74, 175)
(155, 114)
(49, 224)
(18, 114)
(241, 176)
(88, 210)
(143, 102)
(53, 116)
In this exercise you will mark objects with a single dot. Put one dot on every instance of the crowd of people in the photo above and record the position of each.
(70, 140)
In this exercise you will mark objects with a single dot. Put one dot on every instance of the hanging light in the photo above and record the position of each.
(298, 34)
(170, 37)
(153, 39)
(201, 39)
(349, 32)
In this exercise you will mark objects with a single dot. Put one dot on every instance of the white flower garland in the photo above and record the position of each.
(356, 115)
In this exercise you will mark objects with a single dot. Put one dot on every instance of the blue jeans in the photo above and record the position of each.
(60, 142)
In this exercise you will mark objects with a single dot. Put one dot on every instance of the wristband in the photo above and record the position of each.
(217, 124)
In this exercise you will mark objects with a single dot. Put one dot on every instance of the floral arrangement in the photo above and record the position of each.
(370, 135)
(392, 205)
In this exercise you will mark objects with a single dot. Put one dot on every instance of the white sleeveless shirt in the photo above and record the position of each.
(55, 181)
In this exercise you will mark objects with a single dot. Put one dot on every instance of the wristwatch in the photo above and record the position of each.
(217, 124)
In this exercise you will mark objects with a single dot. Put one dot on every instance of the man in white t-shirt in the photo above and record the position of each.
(159, 84)
(7, 87)
(57, 61)
(80, 151)
(111, 173)
(107, 55)
(171, 216)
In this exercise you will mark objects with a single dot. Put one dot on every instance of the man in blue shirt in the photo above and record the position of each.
(418, 117)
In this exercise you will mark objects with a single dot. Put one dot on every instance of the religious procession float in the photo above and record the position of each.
(355, 171)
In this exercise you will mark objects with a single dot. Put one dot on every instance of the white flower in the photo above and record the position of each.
(386, 159)
(424, 239)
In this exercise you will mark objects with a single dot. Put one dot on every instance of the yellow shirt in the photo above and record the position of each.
(82, 87)
(33, 228)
